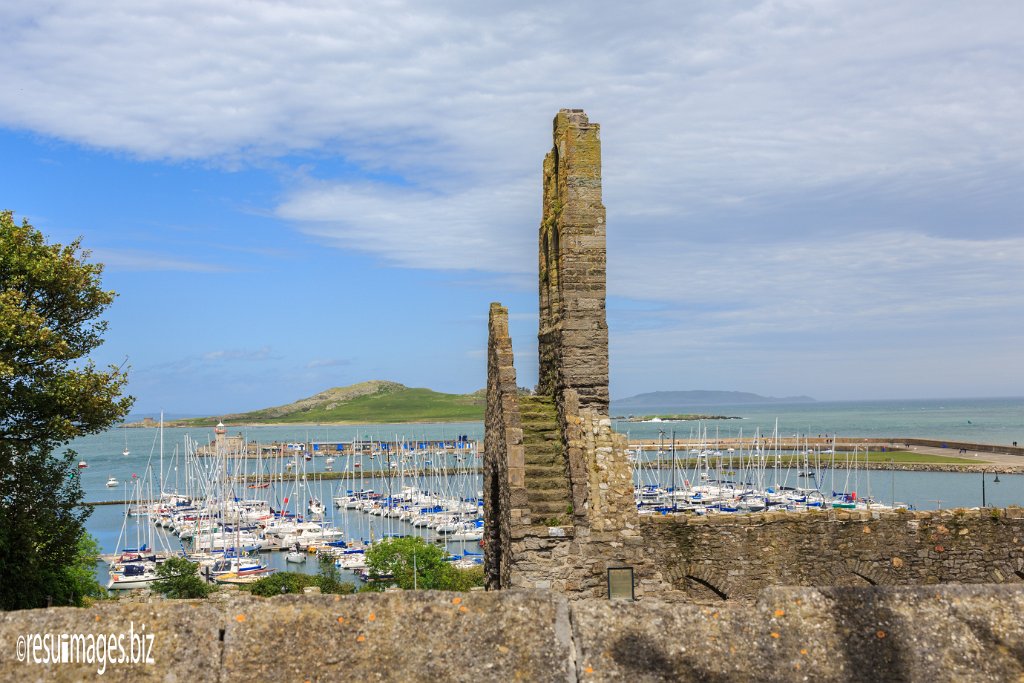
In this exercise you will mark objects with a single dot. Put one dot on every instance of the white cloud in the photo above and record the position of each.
(480, 228)
(722, 105)
(868, 279)
(866, 117)
(260, 354)
(126, 259)
(883, 315)
(328, 363)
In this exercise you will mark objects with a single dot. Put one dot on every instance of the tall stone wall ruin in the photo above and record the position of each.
(577, 493)
(573, 334)
(558, 487)
(504, 487)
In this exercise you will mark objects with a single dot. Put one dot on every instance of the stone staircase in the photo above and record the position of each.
(546, 483)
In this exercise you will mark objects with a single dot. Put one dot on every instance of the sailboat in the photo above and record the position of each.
(125, 451)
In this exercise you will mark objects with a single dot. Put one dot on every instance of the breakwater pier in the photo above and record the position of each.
(236, 446)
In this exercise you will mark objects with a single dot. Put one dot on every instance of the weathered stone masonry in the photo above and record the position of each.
(571, 515)
(573, 335)
(558, 487)
(960, 634)
(707, 559)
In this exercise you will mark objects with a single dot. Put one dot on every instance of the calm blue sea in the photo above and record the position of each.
(978, 420)
(996, 421)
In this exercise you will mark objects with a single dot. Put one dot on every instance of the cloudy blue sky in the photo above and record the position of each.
(818, 198)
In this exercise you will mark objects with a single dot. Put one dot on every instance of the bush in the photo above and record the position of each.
(179, 578)
(280, 583)
(328, 581)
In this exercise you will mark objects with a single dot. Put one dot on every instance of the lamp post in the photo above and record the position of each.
(994, 481)
(892, 471)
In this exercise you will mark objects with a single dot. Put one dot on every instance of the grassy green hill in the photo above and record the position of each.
(366, 402)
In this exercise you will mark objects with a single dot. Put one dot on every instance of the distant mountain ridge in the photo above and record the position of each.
(702, 398)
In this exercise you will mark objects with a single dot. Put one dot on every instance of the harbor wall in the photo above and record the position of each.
(967, 446)
(842, 634)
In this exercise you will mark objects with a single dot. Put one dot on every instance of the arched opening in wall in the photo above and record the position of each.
(718, 592)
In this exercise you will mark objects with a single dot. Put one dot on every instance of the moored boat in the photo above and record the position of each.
(131, 576)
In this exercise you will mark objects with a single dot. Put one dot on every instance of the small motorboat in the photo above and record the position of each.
(82, 464)
(112, 482)
(295, 556)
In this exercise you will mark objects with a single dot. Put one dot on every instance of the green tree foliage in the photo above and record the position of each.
(179, 578)
(329, 578)
(469, 578)
(50, 306)
(80, 576)
(412, 562)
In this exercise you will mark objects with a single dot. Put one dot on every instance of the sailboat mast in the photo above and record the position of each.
(161, 478)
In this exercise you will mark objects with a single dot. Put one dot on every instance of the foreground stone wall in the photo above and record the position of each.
(961, 633)
(708, 559)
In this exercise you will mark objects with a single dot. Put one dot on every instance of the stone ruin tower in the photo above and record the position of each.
(558, 493)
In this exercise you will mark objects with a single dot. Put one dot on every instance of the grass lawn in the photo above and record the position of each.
(401, 405)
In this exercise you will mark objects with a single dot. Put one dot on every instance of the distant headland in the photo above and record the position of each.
(383, 401)
(700, 398)
(375, 401)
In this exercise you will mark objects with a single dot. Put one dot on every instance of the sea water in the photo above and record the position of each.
(103, 454)
(979, 420)
(994, 421)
